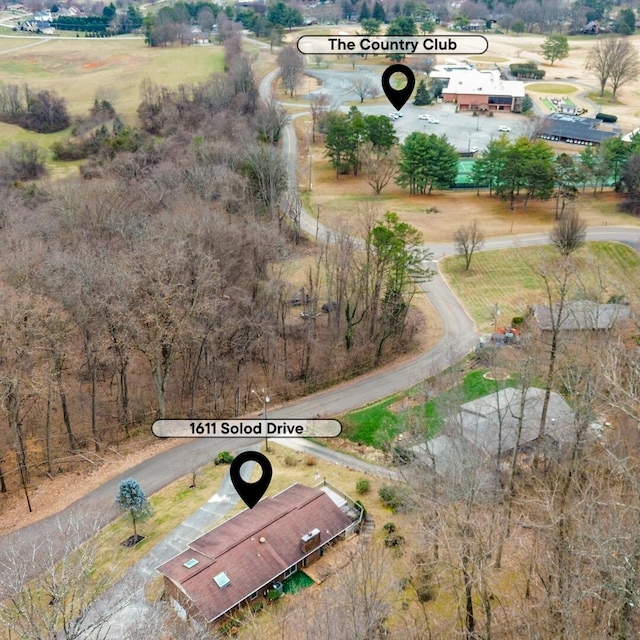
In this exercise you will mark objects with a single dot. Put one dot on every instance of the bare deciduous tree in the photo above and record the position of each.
(569, 233)
(291, 63)
(364, 87)
(468, 239)
(60, 601)
(378, 167)
(625, 63)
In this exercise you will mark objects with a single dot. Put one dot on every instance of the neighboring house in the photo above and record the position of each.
(580, 315)
(484, 90)
(489, 427)
(240, 560)
(37, 27)
(42, 16)
(593, 28)
(575, 129)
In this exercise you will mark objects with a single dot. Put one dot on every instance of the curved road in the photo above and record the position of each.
(458, 338)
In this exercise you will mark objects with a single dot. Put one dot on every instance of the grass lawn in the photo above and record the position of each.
(550, 87)
(607, 98)
(508, 278)
(379, 424)
(78, 69)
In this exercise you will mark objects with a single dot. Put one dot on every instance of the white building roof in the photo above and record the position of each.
(472, 81)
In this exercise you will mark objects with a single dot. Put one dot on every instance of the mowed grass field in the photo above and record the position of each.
(508, 278)
(113, 68)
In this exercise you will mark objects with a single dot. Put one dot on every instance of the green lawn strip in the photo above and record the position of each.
(296, 582)
(607, 98)
(376, 425)
(508, 278)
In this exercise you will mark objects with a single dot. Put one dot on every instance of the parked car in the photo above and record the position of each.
(393, 116)
(504, 128)
(424, 116)
(474, 149)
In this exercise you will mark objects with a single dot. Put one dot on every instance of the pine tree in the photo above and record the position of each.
(132, 499)
(365, 14)
(423, 97)
(379, 13)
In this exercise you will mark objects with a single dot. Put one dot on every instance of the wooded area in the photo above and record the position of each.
(159, 284)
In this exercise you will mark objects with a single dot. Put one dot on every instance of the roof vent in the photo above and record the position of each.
(263, 540)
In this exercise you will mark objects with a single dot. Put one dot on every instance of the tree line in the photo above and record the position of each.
(521, 169)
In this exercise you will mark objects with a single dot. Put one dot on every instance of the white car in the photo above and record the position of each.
(474, 149)
(424, 116)
(504, 128)
(434, 121)
(393, 116)
(398, 114)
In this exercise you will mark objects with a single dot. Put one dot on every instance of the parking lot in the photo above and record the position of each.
(463, 130)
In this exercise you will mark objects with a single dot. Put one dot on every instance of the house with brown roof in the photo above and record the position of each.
(241, 560)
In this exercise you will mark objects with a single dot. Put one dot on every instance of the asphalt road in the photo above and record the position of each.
(459, 337)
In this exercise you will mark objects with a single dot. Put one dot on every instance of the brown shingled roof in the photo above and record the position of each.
(234, 548)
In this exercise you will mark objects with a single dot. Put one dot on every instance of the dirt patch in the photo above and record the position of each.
(362, 451)
(404, 404)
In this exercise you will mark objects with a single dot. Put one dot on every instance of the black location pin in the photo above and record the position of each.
(398, 97)
(251, 492)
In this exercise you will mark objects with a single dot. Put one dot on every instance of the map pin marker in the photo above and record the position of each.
(398, 97)
(251, 492)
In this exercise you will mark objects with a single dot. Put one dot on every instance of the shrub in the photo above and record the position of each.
(516, 321)
(26, 161)
(393, 541)
(224, 457)
(290, 460)
(273, 595)
(363, 486)
(310, 460)
(389, 527)
(527, 70)
(256, 607)
(391, 497)
(402, 455)
(606, 117)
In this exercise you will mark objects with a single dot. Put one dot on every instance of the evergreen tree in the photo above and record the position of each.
(132, 499)
(365, 14)
(555, 48)
(427, 161)
(625, 23)
(379, 12)
(422, 97)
